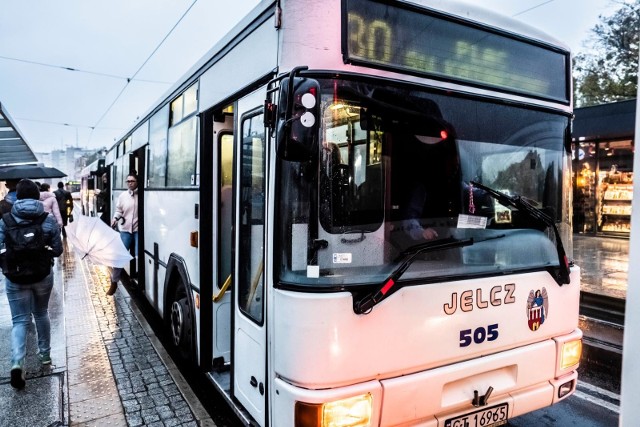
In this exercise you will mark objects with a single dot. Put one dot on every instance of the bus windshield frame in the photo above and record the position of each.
(393, 169)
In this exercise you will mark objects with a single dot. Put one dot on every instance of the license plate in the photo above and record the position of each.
(489, 417)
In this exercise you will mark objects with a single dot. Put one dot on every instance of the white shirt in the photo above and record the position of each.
(127, 208)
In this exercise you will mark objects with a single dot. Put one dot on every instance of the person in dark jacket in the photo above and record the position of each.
(9, 199)
(103, 200)
(30, 298)
(65, 204)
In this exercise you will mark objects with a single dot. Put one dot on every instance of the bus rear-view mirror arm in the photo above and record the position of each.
(298, 117)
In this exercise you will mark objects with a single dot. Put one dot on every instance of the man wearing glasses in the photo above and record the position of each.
(126, 218)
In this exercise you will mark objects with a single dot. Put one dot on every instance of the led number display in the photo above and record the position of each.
(421, 42)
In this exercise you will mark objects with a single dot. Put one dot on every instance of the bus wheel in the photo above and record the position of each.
(180, 324)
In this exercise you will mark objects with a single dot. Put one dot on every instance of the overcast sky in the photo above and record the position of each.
(153, 42)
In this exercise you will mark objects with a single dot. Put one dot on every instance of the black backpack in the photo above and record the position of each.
(5, 207)
(27, 259)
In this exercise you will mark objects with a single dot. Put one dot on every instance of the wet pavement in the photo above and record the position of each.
(108, 368)
(604, 262)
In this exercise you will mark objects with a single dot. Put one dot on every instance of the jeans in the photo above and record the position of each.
(25, 300)
(127, 239)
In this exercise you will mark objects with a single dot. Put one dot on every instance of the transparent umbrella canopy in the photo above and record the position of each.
(92, 238)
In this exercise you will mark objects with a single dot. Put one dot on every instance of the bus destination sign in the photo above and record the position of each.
(417, 41)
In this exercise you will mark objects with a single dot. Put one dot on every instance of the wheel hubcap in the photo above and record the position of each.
(177, 322)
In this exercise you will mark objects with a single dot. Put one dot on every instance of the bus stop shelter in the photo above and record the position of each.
(13, 146)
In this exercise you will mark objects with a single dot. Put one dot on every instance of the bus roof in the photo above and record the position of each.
(266, 8)
(488, 18)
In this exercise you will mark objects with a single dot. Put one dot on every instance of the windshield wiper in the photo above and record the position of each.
(366, 303)
(561, 275)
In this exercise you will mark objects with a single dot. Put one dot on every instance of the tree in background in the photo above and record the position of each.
(609, 71)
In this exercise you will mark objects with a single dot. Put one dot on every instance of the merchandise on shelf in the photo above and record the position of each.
(616, 193)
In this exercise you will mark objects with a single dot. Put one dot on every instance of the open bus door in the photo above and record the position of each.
(223, 250)
(137, 166)
(216, 200)
(249, 364)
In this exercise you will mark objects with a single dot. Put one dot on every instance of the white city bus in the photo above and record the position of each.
(356, 212)
(90, 181)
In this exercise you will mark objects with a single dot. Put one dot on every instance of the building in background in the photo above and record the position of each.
(71, 160)
(603, 147)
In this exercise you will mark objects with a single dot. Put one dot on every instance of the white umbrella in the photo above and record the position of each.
(93, 239)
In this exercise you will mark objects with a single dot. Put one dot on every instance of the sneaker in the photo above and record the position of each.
(112, 288)
(17, 375)
(45, 358)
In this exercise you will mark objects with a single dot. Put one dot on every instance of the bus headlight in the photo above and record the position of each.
(350, 412)
(571, 352)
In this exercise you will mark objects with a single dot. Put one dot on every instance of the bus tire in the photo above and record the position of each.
(181, 323)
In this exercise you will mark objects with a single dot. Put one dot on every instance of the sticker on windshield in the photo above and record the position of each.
(342, 258)
(502, 214)
(471, 221)
(537, 308)
(313, 271)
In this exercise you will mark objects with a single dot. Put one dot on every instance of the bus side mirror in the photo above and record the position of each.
(298, 119)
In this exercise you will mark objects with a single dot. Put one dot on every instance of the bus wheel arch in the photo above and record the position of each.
(179, 318)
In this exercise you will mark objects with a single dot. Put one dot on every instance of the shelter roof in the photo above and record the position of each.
(606, 121)
(13, 147)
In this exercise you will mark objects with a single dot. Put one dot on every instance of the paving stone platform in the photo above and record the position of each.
(108, 367)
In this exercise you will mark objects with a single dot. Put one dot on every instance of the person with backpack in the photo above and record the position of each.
(29, 239)
(65, 204)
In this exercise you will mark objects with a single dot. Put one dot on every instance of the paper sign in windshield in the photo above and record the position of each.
(472, 221)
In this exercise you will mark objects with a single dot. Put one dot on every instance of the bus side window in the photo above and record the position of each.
(226, 204)
(252, 206)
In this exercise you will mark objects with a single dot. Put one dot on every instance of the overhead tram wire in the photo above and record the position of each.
(62, 67)
(533, 7)
(64, 124)
(141, 67)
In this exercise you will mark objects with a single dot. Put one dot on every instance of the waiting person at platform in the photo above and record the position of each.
(65, 203)
(126, 218)
(26, 264)
(50, 203)
(102, 199)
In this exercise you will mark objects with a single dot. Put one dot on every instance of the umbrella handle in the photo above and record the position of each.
(122, 220)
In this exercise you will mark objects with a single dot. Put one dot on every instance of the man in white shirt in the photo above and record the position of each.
(126, 217)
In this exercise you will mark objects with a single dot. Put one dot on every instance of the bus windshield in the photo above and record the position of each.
(395, 168)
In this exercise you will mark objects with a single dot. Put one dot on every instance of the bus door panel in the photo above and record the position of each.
(223, 184)
(249, 365)
(154, 244)
(137, 166)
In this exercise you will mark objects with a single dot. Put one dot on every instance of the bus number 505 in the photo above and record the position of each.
(479, 335)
